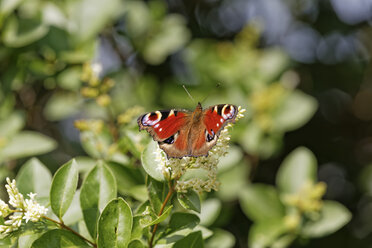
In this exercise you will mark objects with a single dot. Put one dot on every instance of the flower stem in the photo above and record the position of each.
(169, 195)
(62, 225)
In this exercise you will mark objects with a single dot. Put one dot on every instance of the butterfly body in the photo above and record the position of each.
(182, 133)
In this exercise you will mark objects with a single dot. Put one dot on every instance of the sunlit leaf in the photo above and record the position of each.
(115, 225)
(189, 200)
(98, 188)
(149, 162)
(63, 188)
(34, 177)
(59, 239)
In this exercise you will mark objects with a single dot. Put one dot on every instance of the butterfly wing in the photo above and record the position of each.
(213, 120)
(169, 129)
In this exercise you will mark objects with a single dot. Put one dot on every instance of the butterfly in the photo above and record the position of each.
(183, 133)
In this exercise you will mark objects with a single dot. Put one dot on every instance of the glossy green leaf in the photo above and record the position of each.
(189, 200)
(98, 188)
(220, 238)
(136, 244)
(115, 225)
(27, 143)
(34, 177)
(332, 217)
(59, 239)
(261, 202)
(264, 233)
(73, 213)
(150, 222)
(157, 193)
(193, 240)
(149, 163)
(63, 187)
(297, 168)
(180, 221)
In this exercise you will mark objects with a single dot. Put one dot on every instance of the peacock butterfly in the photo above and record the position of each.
(182, 133)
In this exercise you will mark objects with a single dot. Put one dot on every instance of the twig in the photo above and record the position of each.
(169, 195)
(62, 225)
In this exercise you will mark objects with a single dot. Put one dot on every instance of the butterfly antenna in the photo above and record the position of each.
(188, 93)
(217, 86)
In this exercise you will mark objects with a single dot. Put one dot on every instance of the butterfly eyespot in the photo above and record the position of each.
(170, 140)
(210, 137)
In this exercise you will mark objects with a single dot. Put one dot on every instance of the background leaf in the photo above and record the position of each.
(261, 202)
(27, 143)
(333, 216)
(297, 168)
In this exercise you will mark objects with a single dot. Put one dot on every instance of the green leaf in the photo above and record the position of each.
(63, 188)
(296, 110)
(172, 36)
(34, 177)
(157, 193)
(12, 124)
(189, 200)
(220, 238)
(333, 216)
(115, 225)
(98, 188)
(261, 202)
(150, 222)
(179, 221)
(264, 233)
(127, 178)
(136, 244)
(59, 239)
(21, 32)
(27, 143)
(25, 241)
(210, 211)
(193, 240)
(297, 168)
(61, 106)
(74, 214)
(84, 20)
(232, 181)
(149, 161)
(69, 79)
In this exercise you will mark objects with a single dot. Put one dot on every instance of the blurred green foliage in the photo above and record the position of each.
(75, 75)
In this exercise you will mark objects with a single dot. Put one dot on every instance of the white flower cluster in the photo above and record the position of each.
(174, 168)
(27, 209)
